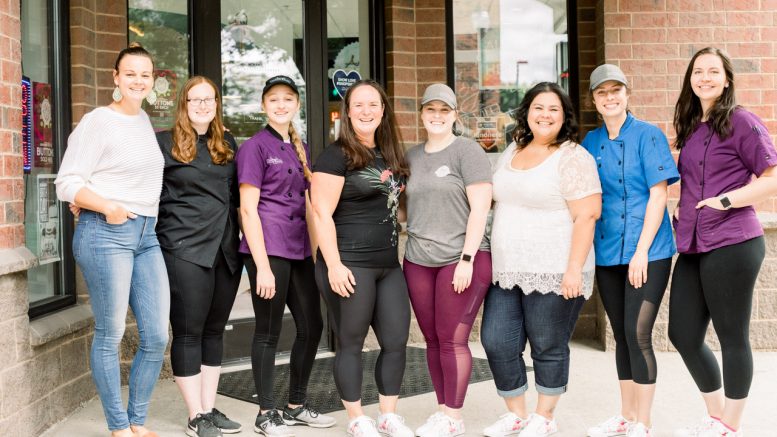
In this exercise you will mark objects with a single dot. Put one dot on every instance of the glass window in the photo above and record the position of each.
(42, 221)
(348, 52)
(259, 39)
(501, 49)
(161, 27)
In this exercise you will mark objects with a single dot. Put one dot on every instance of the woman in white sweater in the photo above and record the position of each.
(112, 172)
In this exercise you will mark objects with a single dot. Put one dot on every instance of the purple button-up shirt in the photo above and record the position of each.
(270, 164)
(710, 166)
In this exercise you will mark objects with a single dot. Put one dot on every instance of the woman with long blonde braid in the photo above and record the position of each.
(274, 176)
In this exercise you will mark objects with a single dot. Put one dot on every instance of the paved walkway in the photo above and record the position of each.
(593, 396)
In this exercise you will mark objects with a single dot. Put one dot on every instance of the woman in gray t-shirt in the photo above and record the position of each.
(447, 264)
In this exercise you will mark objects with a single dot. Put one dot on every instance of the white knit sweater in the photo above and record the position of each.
(117, 157)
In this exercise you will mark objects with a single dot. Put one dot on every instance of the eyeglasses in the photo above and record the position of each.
(197, 102)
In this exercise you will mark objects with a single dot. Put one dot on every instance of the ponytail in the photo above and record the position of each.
(300, 149)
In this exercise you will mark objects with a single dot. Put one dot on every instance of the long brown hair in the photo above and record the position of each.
(522, 134)
(688, 111)
(388, 139)
(185, 136)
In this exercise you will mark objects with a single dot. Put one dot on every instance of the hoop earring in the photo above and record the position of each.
(151, 97)
(117, 95)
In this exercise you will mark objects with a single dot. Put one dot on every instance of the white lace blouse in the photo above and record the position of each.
(532, 230)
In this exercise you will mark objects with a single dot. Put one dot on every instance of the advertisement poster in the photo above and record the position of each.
(48, 220)
(162, 112)
(43, 156)
(26, 124)
(487, 133)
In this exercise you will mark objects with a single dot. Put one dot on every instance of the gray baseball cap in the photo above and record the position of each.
(441, 92)
(606, 72)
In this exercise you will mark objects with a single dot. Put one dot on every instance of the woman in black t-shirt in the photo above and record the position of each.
(198, 233)
(357, 182)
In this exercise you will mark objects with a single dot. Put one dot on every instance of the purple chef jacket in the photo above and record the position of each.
(710, 166)
(270, 164)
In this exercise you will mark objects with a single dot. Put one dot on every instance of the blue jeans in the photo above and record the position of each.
(123, 265)
(510, 318)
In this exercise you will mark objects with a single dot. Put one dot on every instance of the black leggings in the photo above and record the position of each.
(716, 285)
(295, 288)
(632, 313)
(380, 301)
(200, 301)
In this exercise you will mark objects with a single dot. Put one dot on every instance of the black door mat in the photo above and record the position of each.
(322, 394)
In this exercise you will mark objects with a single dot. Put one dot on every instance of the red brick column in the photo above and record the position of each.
(11, 182)
(415, 57)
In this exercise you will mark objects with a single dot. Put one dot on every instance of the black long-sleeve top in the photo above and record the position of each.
(198, 206)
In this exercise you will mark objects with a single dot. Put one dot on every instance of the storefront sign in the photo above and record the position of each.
(48, 220)
(43, 148)
(342, 80)
(162, 112)
(26, 124)
(487, 133)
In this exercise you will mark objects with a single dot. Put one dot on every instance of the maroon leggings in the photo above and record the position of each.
(445, 318)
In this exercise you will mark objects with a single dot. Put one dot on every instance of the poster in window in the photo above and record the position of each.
(162, 111)
(48, 220)
(43, 156)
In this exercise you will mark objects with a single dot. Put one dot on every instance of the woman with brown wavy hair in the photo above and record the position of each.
(198, 233)
(357, 182)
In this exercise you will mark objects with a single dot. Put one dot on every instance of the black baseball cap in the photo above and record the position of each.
(280, 80)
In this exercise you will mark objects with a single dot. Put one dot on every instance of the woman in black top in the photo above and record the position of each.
(198, 233)
(355, 193)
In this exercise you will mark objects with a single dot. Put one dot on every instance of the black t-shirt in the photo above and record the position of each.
(366, 214)
(198, 206)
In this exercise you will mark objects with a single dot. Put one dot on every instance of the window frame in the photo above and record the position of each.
(58, 23)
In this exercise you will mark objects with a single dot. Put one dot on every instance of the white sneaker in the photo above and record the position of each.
(695, 430)
(508, 424)
(614, 426)
(640, 430)
(430, 422)
(539, 426)
(362, 426)
(393, 425)
(718, 429)
(445, 427)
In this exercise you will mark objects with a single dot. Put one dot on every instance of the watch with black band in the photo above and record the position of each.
(466, 258)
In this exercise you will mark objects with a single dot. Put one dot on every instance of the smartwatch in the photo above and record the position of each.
(466, 258)
(725, 202)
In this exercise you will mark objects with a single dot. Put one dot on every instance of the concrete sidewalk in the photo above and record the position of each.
(592, 397)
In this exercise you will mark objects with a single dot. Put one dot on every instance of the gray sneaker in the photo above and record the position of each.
(224, 423)
(201, 426)
(304, 415)
(271, 424)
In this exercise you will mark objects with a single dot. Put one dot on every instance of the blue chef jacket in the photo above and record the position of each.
(628, 166)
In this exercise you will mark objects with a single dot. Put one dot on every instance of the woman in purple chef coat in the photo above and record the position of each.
(273, 173)
(720, 240)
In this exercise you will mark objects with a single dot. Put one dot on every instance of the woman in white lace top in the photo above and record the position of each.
(548, 198)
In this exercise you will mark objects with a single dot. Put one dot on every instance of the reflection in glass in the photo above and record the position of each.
(259, 40)
(161, 27)
(501, 49)
(348, 52)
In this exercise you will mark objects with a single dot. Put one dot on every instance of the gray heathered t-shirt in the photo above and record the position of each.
(437, 206)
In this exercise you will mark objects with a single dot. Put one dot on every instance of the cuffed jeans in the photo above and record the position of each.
(123, 266)
(510, 318)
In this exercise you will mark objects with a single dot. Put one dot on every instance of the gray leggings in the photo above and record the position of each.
(380, 301)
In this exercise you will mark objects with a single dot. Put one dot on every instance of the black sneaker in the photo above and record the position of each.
(201, 426)
(304, 415)
(271, 424)
(224, 423)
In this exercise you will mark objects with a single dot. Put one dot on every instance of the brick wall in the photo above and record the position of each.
(11, 182)
(415, 58)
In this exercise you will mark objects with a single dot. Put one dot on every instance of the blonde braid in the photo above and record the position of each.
(300, 149)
